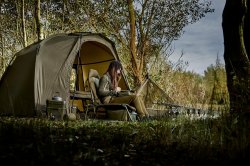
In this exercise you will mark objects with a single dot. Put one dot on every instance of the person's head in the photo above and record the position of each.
(114, 71)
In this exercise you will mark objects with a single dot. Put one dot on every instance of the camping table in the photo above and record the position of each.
(84, 96)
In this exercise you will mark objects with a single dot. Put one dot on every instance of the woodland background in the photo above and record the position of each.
(143, 32)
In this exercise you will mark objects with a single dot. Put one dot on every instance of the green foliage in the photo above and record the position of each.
(157, 23)
(216, 85)
(190, 89)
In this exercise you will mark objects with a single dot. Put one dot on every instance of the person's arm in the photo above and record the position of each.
(104, 87)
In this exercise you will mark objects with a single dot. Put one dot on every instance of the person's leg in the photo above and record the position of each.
(122, 99)
(140, 106)
(106, 100)
(134, 100)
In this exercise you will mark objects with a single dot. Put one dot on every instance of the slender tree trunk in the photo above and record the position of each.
(133, 50)
(64, 10)
(24, 26)
(246, 30)
(38, 20)
(2, 49)
(236, 46)
(2, 55)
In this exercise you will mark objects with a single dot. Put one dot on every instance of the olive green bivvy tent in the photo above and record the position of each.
(44, 69)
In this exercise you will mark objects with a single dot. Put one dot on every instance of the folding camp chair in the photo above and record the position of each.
(112, 111)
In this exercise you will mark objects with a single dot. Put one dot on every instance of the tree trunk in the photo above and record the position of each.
(23, 25)
(133, 50)
(2, 60)
(38, 20)
(236, 53)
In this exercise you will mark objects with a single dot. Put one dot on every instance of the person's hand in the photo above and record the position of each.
(118, 89)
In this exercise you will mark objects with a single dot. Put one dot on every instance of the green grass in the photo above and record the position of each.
(178, 141)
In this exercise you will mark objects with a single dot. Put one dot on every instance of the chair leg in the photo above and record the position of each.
(129, 116)
(86, 112)
(89, 107)
(130, 112)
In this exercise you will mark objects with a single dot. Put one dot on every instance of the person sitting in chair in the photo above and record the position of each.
(109, 90)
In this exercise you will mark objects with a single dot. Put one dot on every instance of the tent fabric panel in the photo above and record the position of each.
(96, 53)
(92, 52)
(17, 85)
(52, 69)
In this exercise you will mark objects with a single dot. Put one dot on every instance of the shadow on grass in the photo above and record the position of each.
(179, 141)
